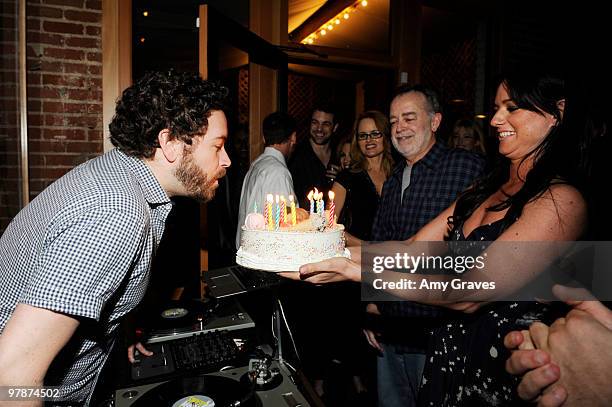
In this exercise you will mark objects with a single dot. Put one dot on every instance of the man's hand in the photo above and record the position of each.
(569, 362)
(370, 335)
(140, 348)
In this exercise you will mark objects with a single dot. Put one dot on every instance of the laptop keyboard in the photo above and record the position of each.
(252, 279)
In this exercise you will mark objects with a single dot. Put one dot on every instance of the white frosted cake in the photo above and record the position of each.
(289, 246)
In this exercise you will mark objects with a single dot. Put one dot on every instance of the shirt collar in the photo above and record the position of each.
(271, 151)
(434, 157)
(151, 188)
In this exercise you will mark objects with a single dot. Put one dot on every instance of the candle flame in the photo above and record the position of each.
(290, 198)
(310, 194)
(331, 195)
(269, 198)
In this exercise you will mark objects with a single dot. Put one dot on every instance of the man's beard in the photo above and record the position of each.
(195, 180)
(320, 143)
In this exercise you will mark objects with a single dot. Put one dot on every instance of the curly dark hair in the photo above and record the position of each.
(179, 102)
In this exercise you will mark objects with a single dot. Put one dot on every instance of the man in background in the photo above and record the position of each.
(426, 182)
(269, 174)
(313, 165)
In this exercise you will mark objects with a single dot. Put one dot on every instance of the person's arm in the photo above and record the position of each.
(339, 198)
(342, 269)
(558, 215)
(30, 341)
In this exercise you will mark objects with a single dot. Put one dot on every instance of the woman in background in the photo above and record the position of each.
(358, 188)
(468, 135)
(344, 153)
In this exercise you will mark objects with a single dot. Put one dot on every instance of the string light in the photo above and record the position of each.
(145, 13)
(337, 19)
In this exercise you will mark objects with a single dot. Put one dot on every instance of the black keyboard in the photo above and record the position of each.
(208, 351)
(252, 279)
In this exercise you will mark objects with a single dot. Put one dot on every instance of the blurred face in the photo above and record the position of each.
(412, 127)
(322, 127)
(519, 131)
(465, 138)
(369, 138)
(204, 161)
(345, 155)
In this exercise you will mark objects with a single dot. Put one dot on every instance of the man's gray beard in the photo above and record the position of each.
(397, 148)
(194, 180)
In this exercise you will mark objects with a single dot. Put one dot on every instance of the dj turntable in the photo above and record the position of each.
(263, 383)
(179, 319)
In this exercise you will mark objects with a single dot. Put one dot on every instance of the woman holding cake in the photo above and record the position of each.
(532, 195)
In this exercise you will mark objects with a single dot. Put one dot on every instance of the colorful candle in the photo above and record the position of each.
(293, 211)
(255, 207)
(320, 203)
(277, 214)
(283, 209)
(268, 212)
(310, 196)
(332, 208)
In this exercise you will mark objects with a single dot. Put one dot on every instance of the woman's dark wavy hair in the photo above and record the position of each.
(559, 159)
(179, 102)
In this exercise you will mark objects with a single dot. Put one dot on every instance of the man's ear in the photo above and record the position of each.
(561, 106)
(435, 121)
(171, 147)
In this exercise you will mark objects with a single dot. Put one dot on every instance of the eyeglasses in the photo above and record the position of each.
(371, 135)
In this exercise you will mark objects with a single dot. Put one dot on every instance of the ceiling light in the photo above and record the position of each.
(346, 16)
(323, 32)
(337, 21)
(364, 3)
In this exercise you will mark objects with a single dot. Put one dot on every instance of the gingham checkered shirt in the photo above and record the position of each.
(83, 247)
(435, 182)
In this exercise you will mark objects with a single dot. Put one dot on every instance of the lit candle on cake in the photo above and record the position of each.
(320, 203)
(268, 212)
(283, 209)
(255, 207)
(332, 208)
(310, 196)
(293, 211)
(277, 214)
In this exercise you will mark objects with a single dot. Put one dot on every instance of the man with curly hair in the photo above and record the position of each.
(76, 260)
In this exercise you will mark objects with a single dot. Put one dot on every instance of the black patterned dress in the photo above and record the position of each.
(465, 363)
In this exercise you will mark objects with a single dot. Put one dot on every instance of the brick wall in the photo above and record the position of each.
(64, 51)
(64, 76)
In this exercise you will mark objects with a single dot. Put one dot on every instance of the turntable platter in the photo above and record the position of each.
(175, 317)
(199, 391)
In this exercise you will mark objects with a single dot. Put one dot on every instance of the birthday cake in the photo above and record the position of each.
(275, 242)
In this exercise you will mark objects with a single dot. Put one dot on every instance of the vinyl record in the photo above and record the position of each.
(179, 316)
(205, 390)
